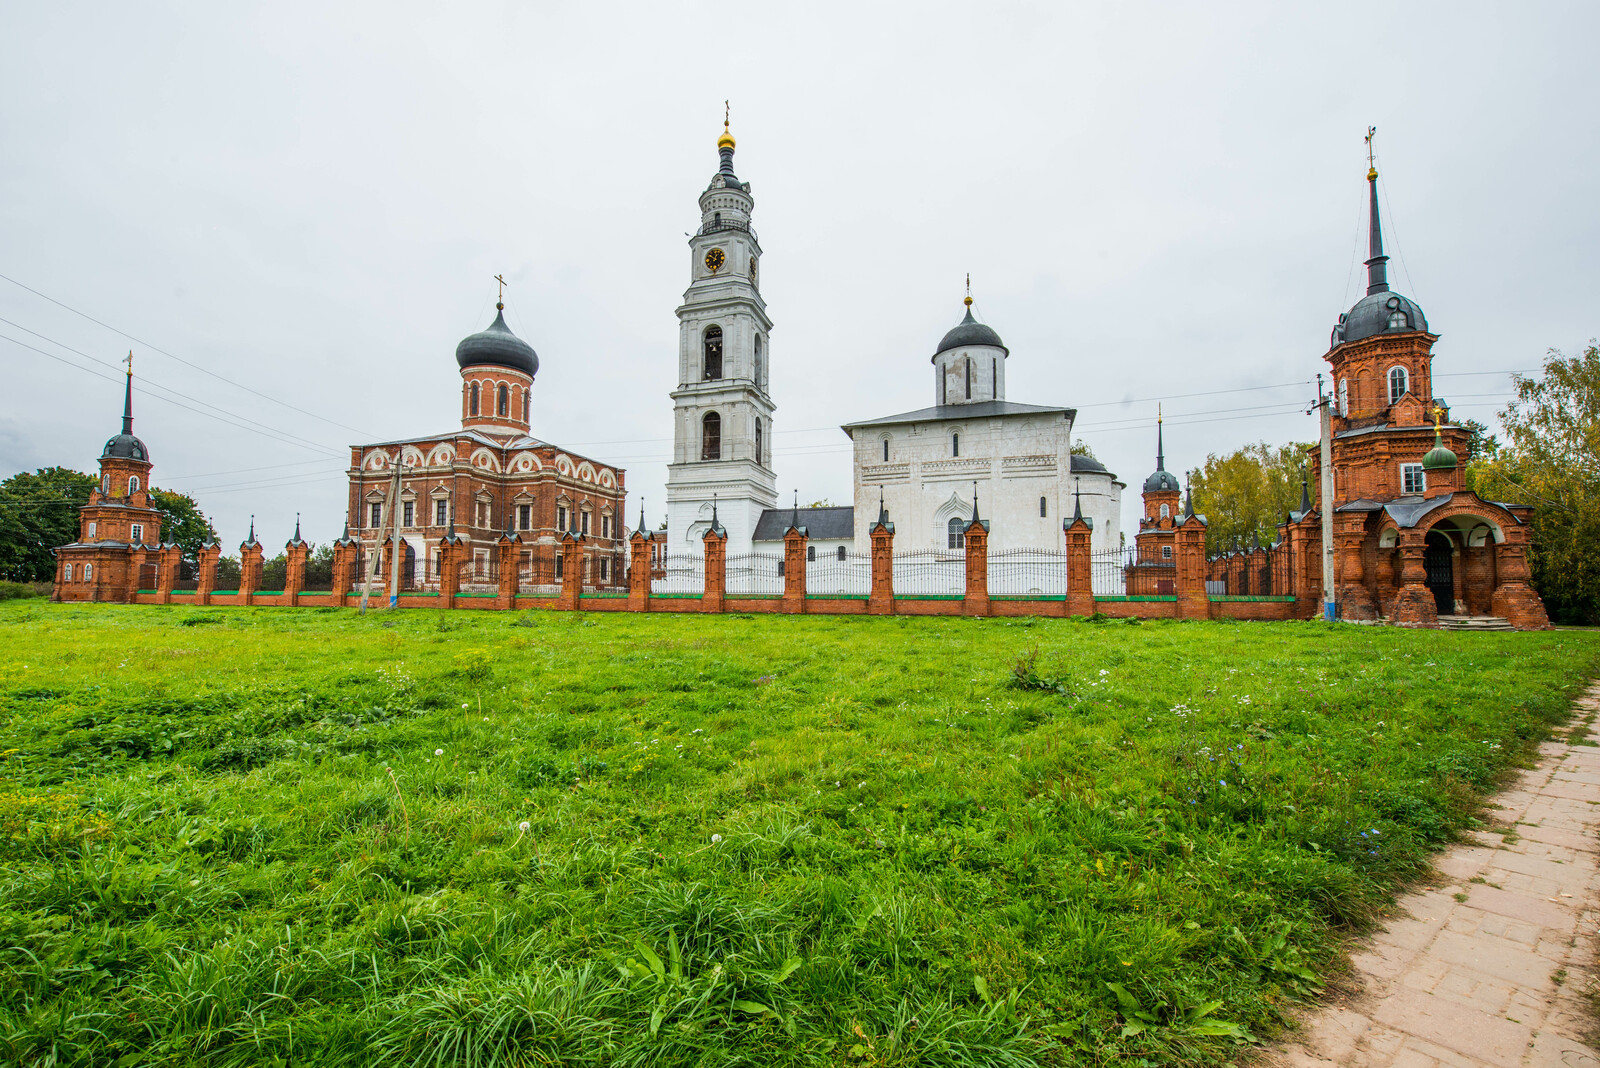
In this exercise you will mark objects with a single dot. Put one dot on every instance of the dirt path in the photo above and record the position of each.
(1492, 968)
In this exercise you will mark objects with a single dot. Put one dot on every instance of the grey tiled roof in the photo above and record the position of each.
(980, 410)
(825, 524)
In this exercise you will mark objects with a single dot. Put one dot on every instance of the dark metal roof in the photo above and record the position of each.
(1384, 312)
(970, 332)
(1407, 510)
(1088, 465)
(979, 410)
(822, 524)
(125, 447)
(497, 346)
(1161, 480)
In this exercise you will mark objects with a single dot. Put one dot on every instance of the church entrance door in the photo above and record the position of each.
(1438, 563)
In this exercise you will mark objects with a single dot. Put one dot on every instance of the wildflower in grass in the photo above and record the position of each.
(716, 838)
(1104, 672)
(524, 826)
(438, 752)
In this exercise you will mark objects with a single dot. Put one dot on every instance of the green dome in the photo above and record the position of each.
(1438, 458)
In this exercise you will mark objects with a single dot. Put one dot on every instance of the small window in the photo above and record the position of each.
(1398, 321)
(105, 484)
(885, 450)
(758, 439)
(711, 437)
(92, 526)
(841, 553)
(1166, 552)
(67, 574)
(524, 516)
(375, 513)
(408, 511)
(605, 569)
(811, 552)
(472, 399)
(527, 399)
(968, 362)
(761, 353)
(133, 484)
(1399, 384)
(1043, 509)
(88, 572)
(561, 517)
(137, 537)
(1413, 479)
(1344, 397)
(502, 400)
(955, 444)
(441, 512)
(956, 534)
(1166, 511)
(583, 521)
(559, 561)
(713, 352)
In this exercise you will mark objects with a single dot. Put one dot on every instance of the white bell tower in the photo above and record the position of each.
(722, 414)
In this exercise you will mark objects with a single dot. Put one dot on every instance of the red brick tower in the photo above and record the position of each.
(115, 526)
(1154, 569)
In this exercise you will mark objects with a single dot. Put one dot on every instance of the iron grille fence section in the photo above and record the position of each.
(1028, 572)
(929, 573)
(188, 575)
(828, 574)
(753, 573)
(1108, 573)
(680, 573)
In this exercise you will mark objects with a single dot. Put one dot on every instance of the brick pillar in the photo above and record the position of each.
(1413, 604)
(168, 559)
(1303, 584)
(880, 599)
(1080, 579)
(571, 547)
(976, 602)
(249, 571)
(1349, 569)
(136, 561)
(639, 572)
(1190, 549)
(344, 561)
(1513, 597)
(509, 550)
(716, 588)
(794, 569)
(206, 571)
(452, 553)
(294, 578)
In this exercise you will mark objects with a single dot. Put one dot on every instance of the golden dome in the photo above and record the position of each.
(726, 140)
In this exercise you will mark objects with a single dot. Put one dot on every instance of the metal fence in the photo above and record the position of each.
(681, 573)
(753, 573)
(188, 575)
(929, 572)
(831, 573)
(1108, 573)
(1028, 572)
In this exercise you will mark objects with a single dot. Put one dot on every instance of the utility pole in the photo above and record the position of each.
(1325, 504)
(390, 519)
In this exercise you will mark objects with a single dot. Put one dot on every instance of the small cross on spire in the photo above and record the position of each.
(500, 301)
(1372, 167)
(727, 112)
(129, 362)
(968, 301)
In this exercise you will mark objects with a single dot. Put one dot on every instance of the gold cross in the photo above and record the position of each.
(726, 113)
(129, 362)
(968, 301)
(502, 281)
(1371, 131)
(1437, 413)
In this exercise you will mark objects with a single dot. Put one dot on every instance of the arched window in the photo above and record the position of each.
(811, 552)
(88, 572)
(105, 483)
(1399, 384)
(1398, 320)
(761, 356)
(502, 400)
(758, 439)
(527, 399)
(716, 220)
(885, 450)
(956, 533)
(66, 576)
(1042, 512)
(955, 444)
(711, 437)
(840, 552)
(92, 527)
(968, 362)
(1166, 512)
(472, 399)
(713, 352)
(1344, 397)
(133, 484)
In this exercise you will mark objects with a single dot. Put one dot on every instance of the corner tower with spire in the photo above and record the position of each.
(119, 525)
(722, 410)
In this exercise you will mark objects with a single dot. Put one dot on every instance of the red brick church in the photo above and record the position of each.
(488, 482)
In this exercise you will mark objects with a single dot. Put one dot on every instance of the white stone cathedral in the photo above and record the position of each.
(722, 413)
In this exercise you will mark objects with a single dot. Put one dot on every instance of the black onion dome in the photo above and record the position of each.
(1161, 480)
(1385, 312)
(497, 346)
(125, 447)
(1088, 465)
(970, 332)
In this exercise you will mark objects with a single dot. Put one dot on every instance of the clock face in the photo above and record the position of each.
(715, 259)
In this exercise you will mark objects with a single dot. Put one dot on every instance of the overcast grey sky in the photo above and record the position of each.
(308, 201)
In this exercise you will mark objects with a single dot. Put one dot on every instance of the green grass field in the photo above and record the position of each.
(245, 837)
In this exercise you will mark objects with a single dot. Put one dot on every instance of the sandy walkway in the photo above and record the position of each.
(1492, 968)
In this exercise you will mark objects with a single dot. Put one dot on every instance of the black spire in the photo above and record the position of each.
(510, 529)
(1188, 499)
(450, 530)
(1161, 451)
(794, 523)
(346, 535)
(297, 528)
(714, 523)
(127, 400)
(883, 511)
(1377, 263)
(1305, 498)
(974, 502)
(248, 541)
(641, 516)
(1077, 501)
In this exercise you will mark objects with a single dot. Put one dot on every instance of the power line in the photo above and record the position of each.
(180, 359)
